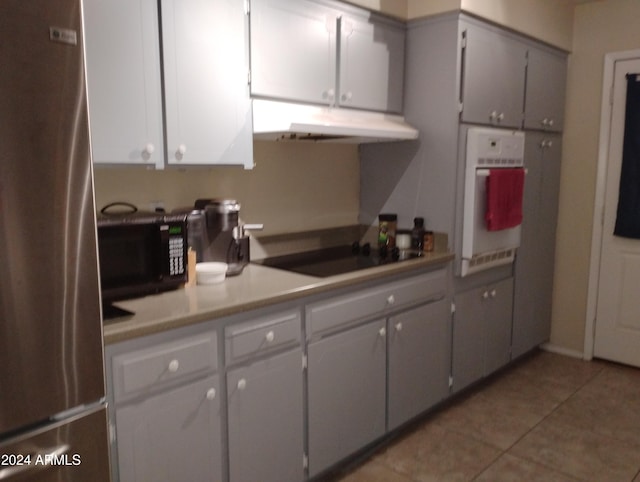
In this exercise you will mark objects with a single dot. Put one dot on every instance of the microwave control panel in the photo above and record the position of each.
(176, 234)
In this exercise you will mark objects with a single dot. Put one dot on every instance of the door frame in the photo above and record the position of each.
(606, 110)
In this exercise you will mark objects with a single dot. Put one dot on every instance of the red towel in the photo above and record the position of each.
(504, 198)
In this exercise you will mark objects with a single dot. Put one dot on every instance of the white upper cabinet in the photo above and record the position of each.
(371, 64)
(206, 81)
(546, 81)
(326, 53)
(293, 50)
(123, 81)
(493, 77)
(205, 45)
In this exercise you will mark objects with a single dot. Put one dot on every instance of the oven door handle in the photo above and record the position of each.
(485, 172)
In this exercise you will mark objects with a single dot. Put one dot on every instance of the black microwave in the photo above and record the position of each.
(141, 253)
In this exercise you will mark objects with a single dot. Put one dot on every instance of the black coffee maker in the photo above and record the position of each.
(215, 233)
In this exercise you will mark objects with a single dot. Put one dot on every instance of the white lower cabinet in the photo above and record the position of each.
(173, 437)
(265, 398)
(165, 405)
(377, 358)
(481, 332)
(266, 420)
(419, 361)
(346, 390)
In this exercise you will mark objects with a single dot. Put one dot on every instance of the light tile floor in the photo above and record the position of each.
(548, 418)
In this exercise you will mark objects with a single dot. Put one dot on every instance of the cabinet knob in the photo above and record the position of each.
(546, 144)
(329, 94)
(391, 300)
(149, 149)
(242, 384)
(174, 365)
(382, 331)
(399, 326)
(550, 122)
(211, 394)
(346, 97)
(270, 336)
(181, 151)
(494, 115)
(485, 295)
(544, 122)
(493, 293)
(500, 116)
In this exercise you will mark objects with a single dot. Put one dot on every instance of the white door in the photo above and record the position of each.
(617, 334)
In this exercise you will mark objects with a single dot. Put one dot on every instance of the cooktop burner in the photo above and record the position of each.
(337, 260)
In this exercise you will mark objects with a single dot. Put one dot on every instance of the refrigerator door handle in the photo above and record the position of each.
(35, 461)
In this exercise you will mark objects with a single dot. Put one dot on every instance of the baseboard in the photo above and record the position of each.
(562, 351)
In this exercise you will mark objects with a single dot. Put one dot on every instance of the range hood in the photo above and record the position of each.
(282, 121)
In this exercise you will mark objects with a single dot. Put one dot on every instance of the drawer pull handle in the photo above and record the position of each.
(211, 394)
(270, 336)
(391, 300)
(174, 365)
(242, 384)
(399, 326)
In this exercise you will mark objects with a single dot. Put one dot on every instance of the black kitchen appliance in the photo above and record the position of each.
(216, 233)
(338, 260)
(141, 253)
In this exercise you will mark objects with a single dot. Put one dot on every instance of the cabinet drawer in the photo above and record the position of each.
(330, 314)
(262, 335)
(143, 369)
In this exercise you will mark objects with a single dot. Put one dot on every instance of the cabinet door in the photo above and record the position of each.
(206, 69)
(493, 78)
(346, 393)
(546, 81)
(371, 64)
(468, 338)
(498, 320)
(419, 360)
(173, 436)
(266, 420)
(123, 81)
(535, 258)
(293, 50)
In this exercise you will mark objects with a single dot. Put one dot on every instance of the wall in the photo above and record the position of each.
(547, 20)
(293, 187)
(599, 28)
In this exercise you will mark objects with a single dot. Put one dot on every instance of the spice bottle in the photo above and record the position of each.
(387, 226)
(417, 234)
(428, 241)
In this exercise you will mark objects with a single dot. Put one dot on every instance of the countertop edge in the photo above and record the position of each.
(233, 300)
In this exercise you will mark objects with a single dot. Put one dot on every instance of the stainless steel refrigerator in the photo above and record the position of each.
(53, 423)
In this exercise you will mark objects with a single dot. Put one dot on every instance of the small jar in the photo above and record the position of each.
(387, 226)
(428, 241)
(403, 239)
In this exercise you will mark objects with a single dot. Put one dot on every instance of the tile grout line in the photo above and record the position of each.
(545, 417)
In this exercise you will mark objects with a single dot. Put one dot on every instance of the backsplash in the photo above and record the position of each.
(293, 186)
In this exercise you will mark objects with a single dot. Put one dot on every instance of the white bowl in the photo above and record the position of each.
(210, 273)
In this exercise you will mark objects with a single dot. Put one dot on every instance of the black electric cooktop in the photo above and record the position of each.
(337, 260)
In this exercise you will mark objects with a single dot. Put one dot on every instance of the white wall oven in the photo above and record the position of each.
(493, 189)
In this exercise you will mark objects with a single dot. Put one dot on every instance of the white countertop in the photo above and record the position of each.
(256, 287)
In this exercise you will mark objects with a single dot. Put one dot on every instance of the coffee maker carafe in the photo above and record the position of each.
(215, 233)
